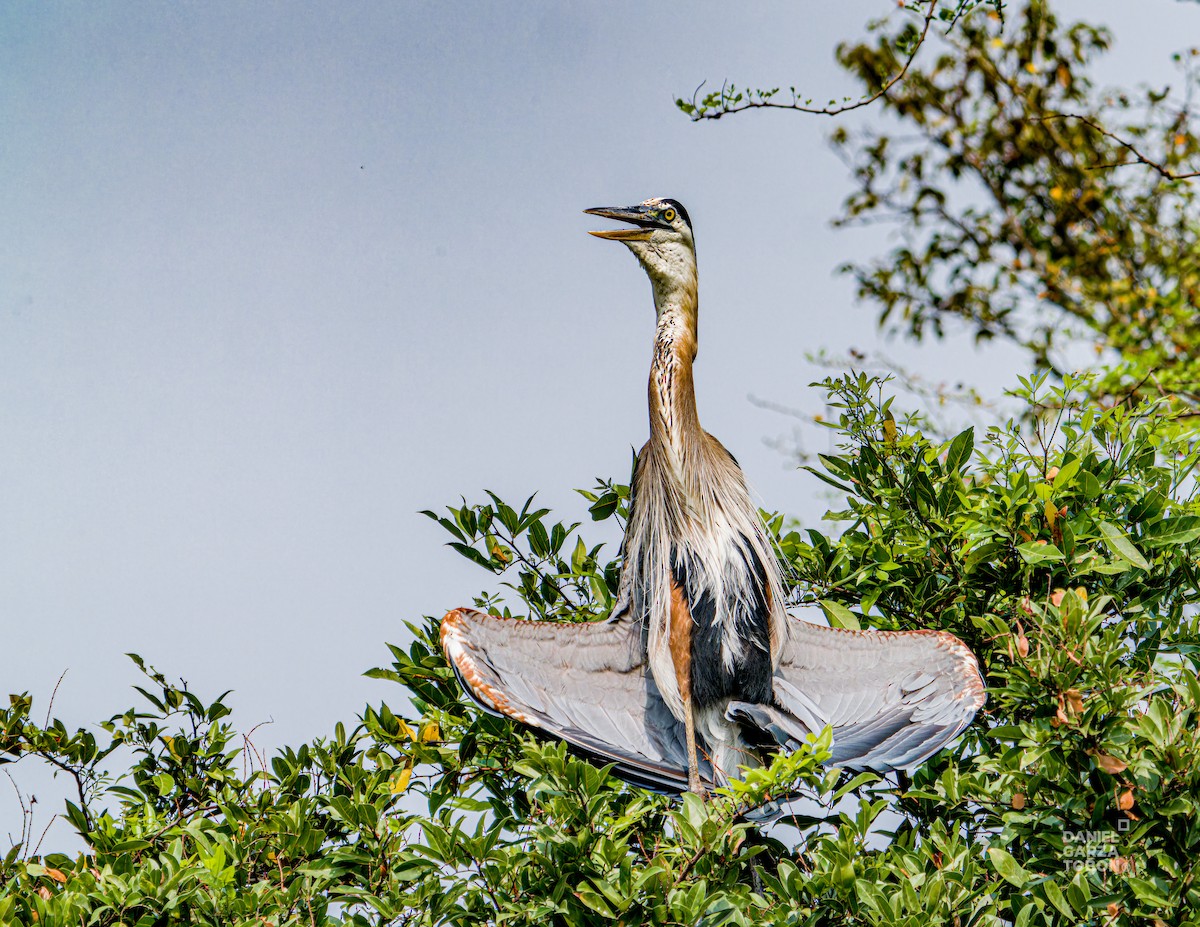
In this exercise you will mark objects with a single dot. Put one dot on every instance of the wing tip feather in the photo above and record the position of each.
(972, 691)
(459, 654)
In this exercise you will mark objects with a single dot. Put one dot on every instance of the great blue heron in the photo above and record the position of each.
(699, 665)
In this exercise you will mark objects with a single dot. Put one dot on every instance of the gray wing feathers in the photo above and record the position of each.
(893, 698)
(585, 683)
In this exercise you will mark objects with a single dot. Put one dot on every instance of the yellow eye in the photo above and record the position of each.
(669, 215)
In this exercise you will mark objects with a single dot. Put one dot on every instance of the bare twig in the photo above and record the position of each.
(26, 811)
(37, 848)
(50, 705)
(248, 748)
(1139, 158)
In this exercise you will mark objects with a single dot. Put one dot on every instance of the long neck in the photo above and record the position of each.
(673, 420)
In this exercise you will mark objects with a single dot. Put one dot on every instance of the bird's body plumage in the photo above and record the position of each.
(695, 556)
(699, 650)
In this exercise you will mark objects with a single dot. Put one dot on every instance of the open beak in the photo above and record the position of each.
(633, 214)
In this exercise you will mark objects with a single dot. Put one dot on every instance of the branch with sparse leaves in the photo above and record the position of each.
(733, 99)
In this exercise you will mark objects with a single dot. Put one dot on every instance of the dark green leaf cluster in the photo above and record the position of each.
(1064, 549)
(1074, 496)
(197, 830)
(554, 573)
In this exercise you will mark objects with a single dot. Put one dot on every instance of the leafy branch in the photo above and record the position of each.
(733, 99)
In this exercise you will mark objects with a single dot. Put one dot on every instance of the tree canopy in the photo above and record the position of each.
(1031, 205)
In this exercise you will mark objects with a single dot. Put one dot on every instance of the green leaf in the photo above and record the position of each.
(1172, 531)
(1066, 473)
(1008, 867)
(578, 556)
(984, 553)
(131, 846)
(1120, 545)
(604, 506)
(861, 779)
(1147, 892)
(471, 554)
(1034, 553)
(960, 450)
(539, 540)
(826, 478)
(839, 616)
(593, 900)
(1055, 896)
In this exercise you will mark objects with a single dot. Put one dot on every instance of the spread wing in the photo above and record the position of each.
(893, 698)
(587, 684)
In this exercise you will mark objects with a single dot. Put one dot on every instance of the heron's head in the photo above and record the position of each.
(661, 239)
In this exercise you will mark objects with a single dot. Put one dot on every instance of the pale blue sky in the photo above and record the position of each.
(275, 277)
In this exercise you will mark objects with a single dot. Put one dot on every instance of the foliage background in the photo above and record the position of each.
(1060, 543)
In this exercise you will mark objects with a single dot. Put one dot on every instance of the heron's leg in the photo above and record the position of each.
(694, 783)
